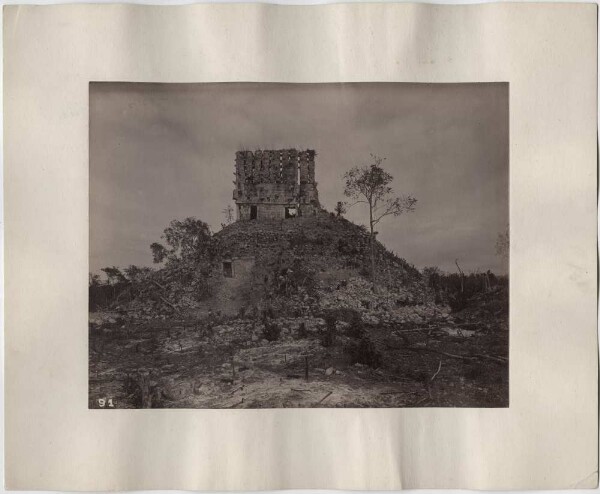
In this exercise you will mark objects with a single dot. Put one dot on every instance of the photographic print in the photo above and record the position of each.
(261, 245)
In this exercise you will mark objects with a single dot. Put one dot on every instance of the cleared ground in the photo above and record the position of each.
(448, 360)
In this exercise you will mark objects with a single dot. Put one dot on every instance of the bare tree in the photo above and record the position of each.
(503, 244)
(228, 213)
(340, 209)
(370, 185)
(462, 277)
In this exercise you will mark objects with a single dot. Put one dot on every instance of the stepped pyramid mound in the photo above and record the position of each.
(321, 240)
(274, 261)
(284, 251)
(296, 266)
(284, 244)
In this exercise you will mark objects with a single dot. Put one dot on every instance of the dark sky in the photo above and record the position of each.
(166, 151)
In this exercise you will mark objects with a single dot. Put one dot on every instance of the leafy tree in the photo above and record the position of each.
(370, 185)
(94, 279)
(136, 274)
(159, 253)
(188, 252)
(186, 240)
(114, 275)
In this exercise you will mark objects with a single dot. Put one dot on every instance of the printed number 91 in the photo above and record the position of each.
(103, 402)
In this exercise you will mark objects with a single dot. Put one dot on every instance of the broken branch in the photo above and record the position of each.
(436, 372)
(477, 356)
(324, 397)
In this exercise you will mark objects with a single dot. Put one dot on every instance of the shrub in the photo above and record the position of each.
(302, 332)
(339, 314)
(458, 302)
(328, 336)
(271, 331)
(364, 352)
(355, 328)
(472, 371)
(144, 392)
(365, 271)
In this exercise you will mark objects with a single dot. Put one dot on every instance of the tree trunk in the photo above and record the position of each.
(373, 274)
(462, 277)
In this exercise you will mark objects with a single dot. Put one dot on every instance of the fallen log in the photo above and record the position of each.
(437, 372)
(169, 303)
(431, 328)
(158, 284)
(501, 360)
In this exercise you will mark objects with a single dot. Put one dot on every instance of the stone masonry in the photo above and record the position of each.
(275, 184)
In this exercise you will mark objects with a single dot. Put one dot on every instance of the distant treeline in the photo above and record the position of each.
(119, 286)
(457, 289)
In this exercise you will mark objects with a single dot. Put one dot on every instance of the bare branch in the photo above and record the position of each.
(357, 202)
(437, 372)
(396, 207)
(459, 270)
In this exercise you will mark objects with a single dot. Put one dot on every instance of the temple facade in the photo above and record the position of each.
(275, 184)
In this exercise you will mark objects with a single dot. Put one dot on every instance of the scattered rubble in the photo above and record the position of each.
(303, 326)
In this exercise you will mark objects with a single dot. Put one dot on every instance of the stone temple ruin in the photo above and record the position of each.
(275, 184)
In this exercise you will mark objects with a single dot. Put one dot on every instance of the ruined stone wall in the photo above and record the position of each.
(264, 211)
(242, 266)
(268, 178)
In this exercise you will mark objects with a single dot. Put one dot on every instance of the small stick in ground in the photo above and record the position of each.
(306, 367)
(237, 404)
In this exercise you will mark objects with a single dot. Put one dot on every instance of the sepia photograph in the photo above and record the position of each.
(267, 245)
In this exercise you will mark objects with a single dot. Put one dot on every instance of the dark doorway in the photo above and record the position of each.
(253, 212)
(227, 269)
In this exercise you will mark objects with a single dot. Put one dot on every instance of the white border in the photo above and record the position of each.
(185, 2)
